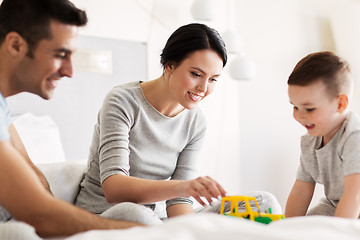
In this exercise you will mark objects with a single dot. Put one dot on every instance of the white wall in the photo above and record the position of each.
(253, 142)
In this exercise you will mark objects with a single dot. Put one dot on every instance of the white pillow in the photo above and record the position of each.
(15, 230)
(41, 138)
(64, 178)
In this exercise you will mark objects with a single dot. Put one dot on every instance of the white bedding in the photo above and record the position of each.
(216, 227)
(212, 227)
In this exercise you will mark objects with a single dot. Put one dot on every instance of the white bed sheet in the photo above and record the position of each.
(216, 227)
(211, 227)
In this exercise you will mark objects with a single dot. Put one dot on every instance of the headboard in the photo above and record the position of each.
(77, 101)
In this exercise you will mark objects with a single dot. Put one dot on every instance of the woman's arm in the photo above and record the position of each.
(349, 204)
(118, 188)
(179, 209)
(299, 199)
(19, 146)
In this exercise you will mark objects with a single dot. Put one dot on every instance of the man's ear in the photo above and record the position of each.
(343, 103)
(15, 44)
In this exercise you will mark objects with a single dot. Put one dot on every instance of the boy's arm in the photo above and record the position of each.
(24, 196)
(299, 198)
(349, 204)
(18, 145)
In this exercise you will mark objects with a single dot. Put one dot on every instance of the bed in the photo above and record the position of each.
(64, 178)
(214, 227)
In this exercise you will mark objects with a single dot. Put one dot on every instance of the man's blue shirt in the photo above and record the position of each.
(4, 119)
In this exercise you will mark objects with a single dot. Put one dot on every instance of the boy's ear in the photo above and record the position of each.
(343, 103)
(15, 44)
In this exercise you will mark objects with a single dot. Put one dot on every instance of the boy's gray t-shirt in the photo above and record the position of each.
(132, 138)
(330, 164)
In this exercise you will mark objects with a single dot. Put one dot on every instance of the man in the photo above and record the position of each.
(37, 39)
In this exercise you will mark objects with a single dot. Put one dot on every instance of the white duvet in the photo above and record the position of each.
(212, 227)
(216, 227)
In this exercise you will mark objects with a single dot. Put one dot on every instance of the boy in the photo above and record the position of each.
(320, 88)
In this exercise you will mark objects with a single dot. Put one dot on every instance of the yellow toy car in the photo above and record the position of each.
(249, 214)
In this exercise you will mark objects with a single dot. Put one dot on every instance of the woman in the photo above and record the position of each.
(149, 134)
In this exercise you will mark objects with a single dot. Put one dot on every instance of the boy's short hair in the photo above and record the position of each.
(327, 67)
(31, 18)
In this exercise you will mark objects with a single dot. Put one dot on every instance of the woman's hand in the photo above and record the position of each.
(202, 187)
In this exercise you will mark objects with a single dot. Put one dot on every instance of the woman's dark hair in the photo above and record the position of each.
(190, 38)
(31, 18)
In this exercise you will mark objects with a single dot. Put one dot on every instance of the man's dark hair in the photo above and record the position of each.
(324, 66)
(31, 18)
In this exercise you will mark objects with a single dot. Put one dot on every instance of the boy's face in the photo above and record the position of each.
(315, 109)
(51, 61)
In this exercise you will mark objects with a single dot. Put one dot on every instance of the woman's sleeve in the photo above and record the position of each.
(115, 119)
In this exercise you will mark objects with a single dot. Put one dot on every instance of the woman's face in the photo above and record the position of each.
(194, 78)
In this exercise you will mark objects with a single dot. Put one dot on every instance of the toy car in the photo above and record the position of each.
(257, 216)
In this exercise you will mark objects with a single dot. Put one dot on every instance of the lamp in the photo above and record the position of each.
(242, 68)
(231, 39)
(203, 10)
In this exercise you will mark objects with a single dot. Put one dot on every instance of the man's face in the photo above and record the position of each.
(50, 62)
